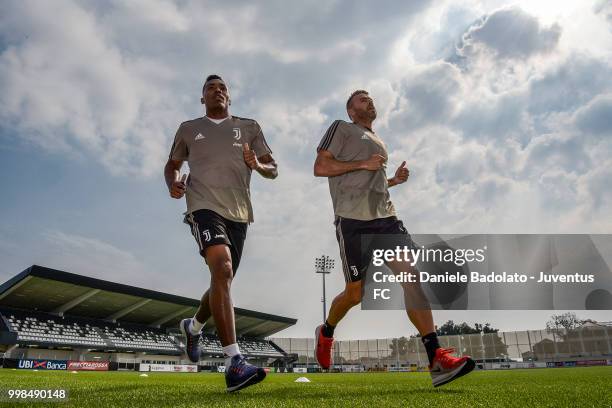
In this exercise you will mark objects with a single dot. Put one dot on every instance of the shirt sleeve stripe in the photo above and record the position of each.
(329, 135)
(266, 144)
(172, 149)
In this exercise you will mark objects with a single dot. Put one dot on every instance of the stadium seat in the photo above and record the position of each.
(45, 329)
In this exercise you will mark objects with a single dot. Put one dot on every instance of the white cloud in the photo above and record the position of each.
(71, 90)
(569, 85)
(596, 188)
(508, 136)
(428, 94)
(92, 257)
(509, 33)
(604, 8)
(160, 15)
(596, 116)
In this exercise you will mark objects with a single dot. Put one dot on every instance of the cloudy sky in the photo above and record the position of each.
(501, 110)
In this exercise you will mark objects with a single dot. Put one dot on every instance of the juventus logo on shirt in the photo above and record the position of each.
(237, 134)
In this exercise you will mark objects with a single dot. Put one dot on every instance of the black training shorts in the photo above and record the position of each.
(357, 255)
(209, 228)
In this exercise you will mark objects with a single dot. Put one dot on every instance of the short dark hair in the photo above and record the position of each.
(210, 78)
(357, 92)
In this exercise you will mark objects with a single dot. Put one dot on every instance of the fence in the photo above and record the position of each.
(535, 345)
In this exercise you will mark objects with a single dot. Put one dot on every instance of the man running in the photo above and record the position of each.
(222, 151)
(354, 159)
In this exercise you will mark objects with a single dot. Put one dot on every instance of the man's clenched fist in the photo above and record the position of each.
(374, 163)
(177, 190)
(249, 157)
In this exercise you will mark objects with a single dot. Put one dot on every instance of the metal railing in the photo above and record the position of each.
(533, 345)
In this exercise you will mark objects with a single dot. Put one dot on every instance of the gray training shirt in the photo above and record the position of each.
(361, 194)
(219, 178)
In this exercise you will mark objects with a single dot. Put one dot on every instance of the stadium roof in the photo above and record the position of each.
(54, 291)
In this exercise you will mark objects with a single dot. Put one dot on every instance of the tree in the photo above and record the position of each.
(567, 321)
(495, 347)
(486, 328)
(399, 347)
(450, 328)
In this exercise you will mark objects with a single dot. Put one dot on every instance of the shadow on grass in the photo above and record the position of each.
(434, 391)
(289, 393)
(145, 394)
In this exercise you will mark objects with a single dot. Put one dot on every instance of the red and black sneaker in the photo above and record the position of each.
(446, 368)
(323, 348)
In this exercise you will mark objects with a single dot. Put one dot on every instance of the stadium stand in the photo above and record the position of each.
(256, 347)
(250, 346)
(44, 329)
(46, 309)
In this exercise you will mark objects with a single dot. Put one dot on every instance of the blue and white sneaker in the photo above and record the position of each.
(192, 343)
(241, 374)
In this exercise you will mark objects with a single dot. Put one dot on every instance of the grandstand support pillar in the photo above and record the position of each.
(250, 328)
(74, 302)
(119, 314)
(239, 319)
(171, 316)
(14, 287)
(8, 352)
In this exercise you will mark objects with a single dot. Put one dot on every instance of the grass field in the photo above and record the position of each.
(555, 387)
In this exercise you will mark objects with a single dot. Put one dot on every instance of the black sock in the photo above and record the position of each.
(328, 329)
(431, 345)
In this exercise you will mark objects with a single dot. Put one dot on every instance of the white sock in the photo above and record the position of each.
(230, 351)
(195, 327)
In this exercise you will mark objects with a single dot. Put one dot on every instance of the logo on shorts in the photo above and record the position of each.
(219, 236)
(355, 271)
(206, 234)
(237, 134)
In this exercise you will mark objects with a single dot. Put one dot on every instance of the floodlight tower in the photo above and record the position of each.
(324, 265)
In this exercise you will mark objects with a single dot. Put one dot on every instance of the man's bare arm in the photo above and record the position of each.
(327, 166)
(172, 174)
(264, 165)
(267, 166)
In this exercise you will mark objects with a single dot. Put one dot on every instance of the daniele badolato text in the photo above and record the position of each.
(459, 257)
